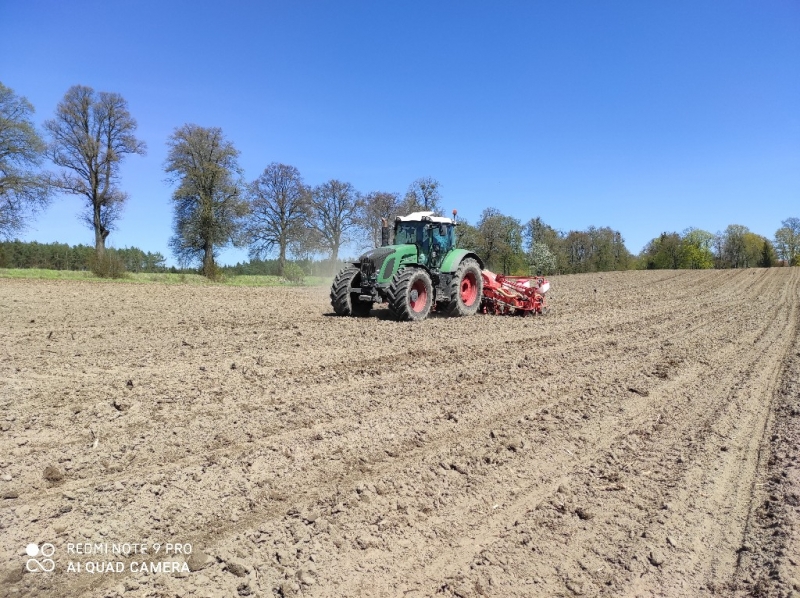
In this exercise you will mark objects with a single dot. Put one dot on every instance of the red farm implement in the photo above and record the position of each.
(513, 295)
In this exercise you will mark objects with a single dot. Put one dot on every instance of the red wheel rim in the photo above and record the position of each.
(418, 304)
(469, 289)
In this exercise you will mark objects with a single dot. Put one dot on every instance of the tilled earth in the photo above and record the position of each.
(641, 440)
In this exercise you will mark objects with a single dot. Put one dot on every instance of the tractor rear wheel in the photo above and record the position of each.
(344, 293)
(465, 289)
(411, 294)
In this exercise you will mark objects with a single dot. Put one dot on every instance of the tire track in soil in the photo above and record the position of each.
(409, 359)
(767, 562)
(448, 557)
(438, 447)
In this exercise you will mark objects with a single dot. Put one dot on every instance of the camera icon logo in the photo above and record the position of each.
(43, 565)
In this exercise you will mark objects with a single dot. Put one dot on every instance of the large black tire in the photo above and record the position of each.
(344, 293)
(465, 290)
(411, 294)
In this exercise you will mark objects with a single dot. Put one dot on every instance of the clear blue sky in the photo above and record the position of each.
(644, 116)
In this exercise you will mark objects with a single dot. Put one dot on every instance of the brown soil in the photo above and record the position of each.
(641, 440)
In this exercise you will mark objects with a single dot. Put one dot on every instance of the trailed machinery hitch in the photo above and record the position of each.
(513, 295)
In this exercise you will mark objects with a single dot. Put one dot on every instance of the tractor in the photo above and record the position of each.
(422, 271)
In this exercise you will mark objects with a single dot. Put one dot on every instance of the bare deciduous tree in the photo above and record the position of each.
(209, 203)
(279, 210)
(379, 205)
(90, 136)
(336, 210)
(422, 195)
(23, 189)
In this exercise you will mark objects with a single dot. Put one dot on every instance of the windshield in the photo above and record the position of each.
(414, 233)
(420, 234)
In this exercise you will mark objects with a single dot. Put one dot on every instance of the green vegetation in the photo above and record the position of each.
(60, 256)
(735, 247)
(162, 278)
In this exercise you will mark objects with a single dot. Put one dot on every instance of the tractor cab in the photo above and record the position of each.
(434, 236)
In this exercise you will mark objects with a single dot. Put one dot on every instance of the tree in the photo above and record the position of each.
(500, 241)
(607, 250)
(696, 249)
(422, 195)
(787, 241)
(209, 204)
(663, 252)
(279, 209)
(753, 249)
(734, 251)
(335, 213)
(23, 190)
(578, 251)
(542, 259)
(90, 136)
(467, 236)
(379, 205)
(305, 244)
(537, 231)
(767, 257)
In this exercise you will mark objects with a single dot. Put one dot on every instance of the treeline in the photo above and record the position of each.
(735, 247)
(278, 215)
(275, 215)
(509, 246)
(60, 256)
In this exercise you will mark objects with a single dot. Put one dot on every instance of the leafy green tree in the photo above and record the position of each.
(23, 189)
(279, 208)
(787, 241)
(90, 135)
(734, 250)
(536, 233)
(768, 257)
(209, 201)
(695, 250)
(500, 241)
(753, 247)
(577, 246)
(607, 250)
(663, 252)
(467, 236)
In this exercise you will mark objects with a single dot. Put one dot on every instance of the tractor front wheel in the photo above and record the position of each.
(465, 289)
(344, 293)
(411, 294)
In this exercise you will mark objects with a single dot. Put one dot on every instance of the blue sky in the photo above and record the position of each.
(644, 116)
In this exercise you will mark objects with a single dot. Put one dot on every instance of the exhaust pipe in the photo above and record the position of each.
(384, 233)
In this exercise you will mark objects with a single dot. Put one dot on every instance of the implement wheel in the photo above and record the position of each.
(345, 290)
(411, 294)
(465, 289)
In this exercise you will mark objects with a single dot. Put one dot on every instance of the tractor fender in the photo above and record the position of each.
(453, 259)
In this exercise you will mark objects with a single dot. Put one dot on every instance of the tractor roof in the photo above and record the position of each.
(424, 216)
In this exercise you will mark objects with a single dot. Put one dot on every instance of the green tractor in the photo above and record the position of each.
(422, 271)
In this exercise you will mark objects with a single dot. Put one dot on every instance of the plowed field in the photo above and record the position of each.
(641, 440)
